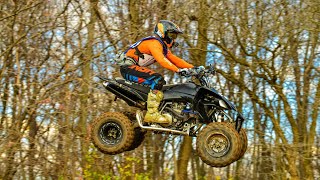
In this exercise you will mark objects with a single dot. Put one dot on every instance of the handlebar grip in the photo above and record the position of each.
(183, 73)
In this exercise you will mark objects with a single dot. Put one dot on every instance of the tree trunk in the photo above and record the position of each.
(157, 150)
(184, 156)
(199, 53)
(135, 23)
(85, 81)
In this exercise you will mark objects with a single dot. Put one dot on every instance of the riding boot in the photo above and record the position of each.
(153, 114)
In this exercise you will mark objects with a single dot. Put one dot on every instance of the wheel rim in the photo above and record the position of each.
(110, 133)
(217, 145)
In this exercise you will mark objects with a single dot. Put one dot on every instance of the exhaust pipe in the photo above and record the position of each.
(139, 119)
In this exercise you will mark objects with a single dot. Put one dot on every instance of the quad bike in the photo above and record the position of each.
(197, 110)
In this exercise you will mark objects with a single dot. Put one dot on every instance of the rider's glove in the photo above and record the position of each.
(184, 72)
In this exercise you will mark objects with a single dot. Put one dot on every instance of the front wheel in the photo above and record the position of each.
(244, 143)
(218, 144)
(112, 133)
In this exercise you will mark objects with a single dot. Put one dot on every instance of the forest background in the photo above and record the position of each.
(266, 53)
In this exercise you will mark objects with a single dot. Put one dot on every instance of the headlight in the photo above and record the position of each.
(223, 104)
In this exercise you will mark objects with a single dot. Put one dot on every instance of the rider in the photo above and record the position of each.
(134, 61)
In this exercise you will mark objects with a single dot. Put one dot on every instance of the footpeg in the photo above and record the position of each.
(139, 116)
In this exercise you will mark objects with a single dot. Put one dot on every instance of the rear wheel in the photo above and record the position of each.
(112, 133)
(139, 136)
(218, 144)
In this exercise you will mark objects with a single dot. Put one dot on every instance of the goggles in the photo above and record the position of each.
(173, 35)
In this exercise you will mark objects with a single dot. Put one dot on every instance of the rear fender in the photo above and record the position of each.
(131, 97)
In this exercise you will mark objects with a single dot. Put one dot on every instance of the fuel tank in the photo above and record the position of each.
(191, 92)
(186, 91)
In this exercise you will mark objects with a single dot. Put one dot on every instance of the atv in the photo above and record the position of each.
(197, 110)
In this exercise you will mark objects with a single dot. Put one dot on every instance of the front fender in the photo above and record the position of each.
(210, 97)
(207, 98)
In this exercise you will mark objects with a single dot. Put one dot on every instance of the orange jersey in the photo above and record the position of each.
(152, 50)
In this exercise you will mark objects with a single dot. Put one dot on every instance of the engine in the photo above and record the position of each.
(181, 113)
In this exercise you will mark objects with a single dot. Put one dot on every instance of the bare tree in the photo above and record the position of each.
(266, 54)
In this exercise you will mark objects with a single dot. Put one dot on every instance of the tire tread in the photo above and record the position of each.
(125, 123)
(221, 161)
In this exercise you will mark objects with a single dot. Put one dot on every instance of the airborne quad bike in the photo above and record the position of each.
(197, 110)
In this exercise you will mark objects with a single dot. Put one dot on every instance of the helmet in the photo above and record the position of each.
(167, 31)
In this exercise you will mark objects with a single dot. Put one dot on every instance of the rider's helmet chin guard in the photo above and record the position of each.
(167, 31)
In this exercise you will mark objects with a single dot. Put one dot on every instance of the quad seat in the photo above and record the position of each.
(139, 87)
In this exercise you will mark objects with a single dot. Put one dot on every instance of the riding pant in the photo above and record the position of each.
(142, 75)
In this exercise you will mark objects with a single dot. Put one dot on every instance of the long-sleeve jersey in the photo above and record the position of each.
(152, 51)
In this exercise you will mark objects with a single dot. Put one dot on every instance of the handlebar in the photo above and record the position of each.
(199, 71)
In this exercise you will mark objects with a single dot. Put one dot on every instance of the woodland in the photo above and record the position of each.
(266, 55)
